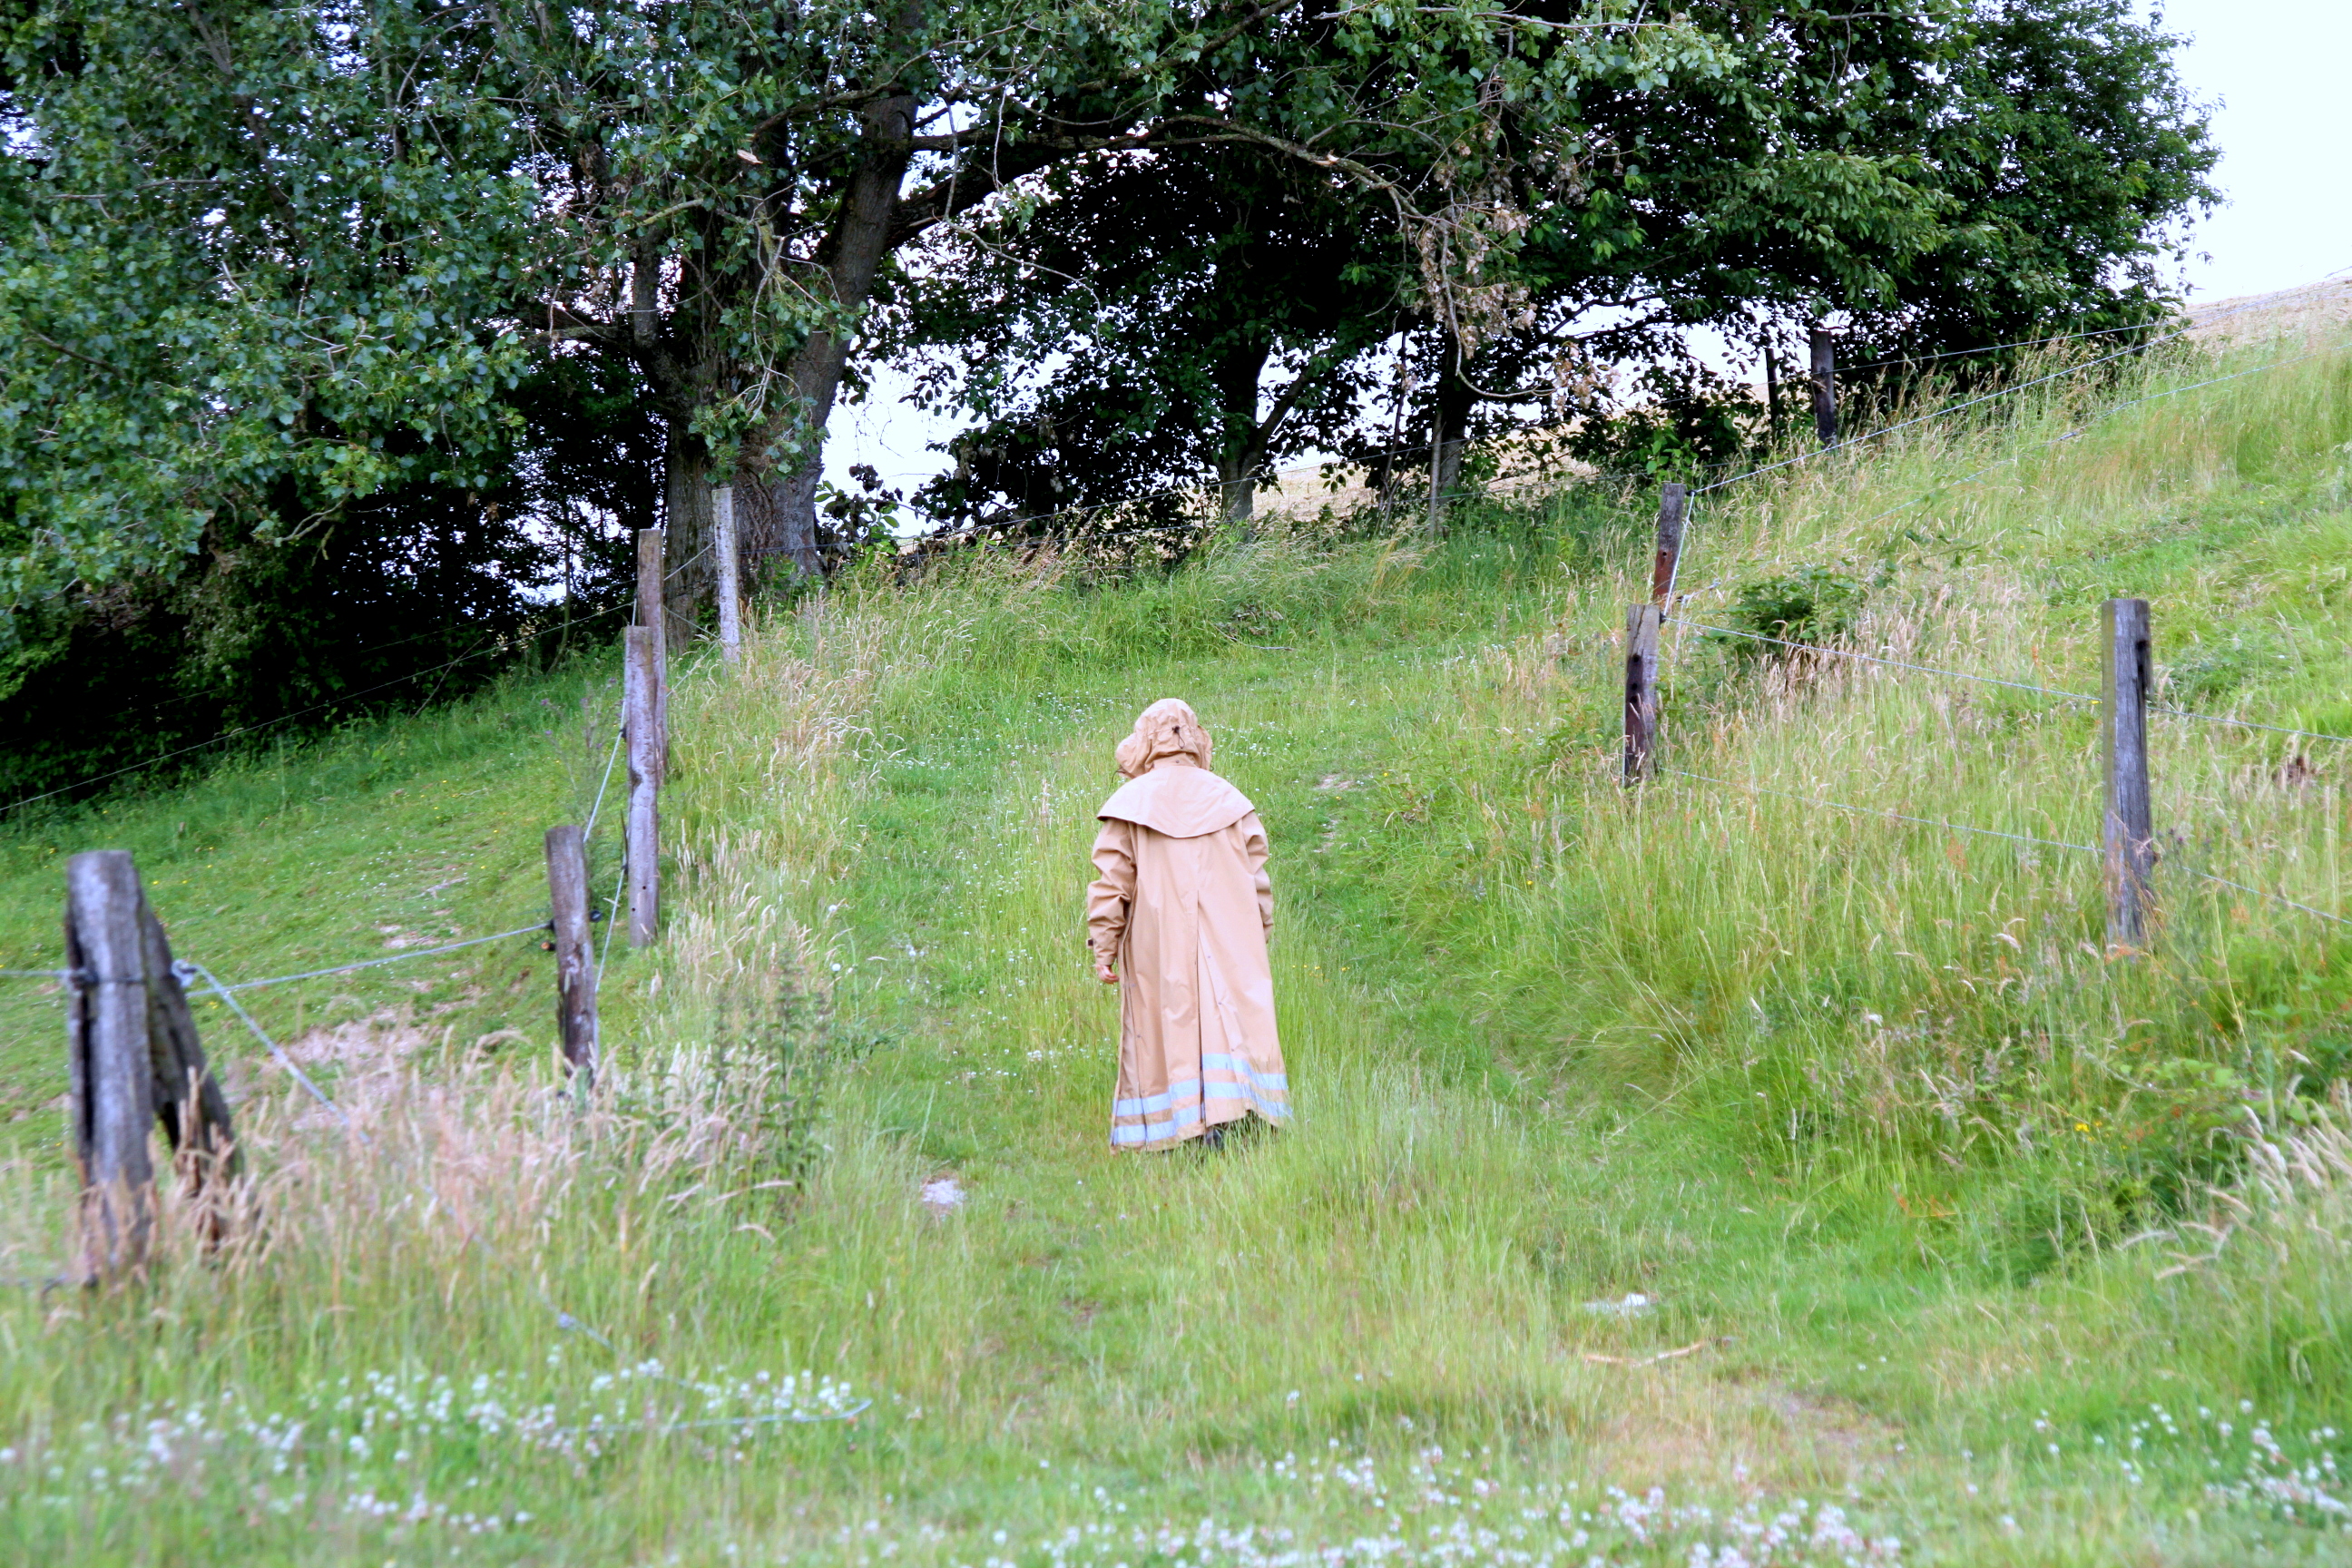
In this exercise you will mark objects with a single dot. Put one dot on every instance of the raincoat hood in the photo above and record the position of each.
(1170, 788)
(1169, 728)
(1180, 801)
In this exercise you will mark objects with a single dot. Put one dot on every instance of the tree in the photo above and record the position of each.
(261, 237)
(1266, 263)
(241, 273)
(1945, 174)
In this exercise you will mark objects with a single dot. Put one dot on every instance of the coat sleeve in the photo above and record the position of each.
(1254, 847)
(1112, 892)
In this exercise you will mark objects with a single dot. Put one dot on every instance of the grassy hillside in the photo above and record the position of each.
(1958, 1238)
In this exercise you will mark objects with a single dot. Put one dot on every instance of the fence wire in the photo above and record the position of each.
(1990, 833)
(188, 971)
(1855, 654)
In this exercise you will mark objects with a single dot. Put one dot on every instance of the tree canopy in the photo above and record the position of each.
(1931, 176)
(289, 276)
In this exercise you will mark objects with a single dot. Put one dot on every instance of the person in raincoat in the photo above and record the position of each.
(1178, 919)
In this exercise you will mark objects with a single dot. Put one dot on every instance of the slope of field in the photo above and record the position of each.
(1699, 1175)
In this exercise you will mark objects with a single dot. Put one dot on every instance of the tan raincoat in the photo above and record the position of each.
(1182, 908)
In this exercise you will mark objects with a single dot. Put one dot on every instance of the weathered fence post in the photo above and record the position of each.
(652, 613)
(641, 839)
(186, 1096)
(112, 1077)
(133, 1060)
(1436, 523)
(575, 967)
(2129, 832)
(1772, 392)
(1672, 501)
(1824, 349)
(722, 543)
(1641, 691)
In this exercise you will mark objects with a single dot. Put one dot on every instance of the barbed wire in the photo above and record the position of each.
(2080, 431)
(1953, 408)
(612, 913)
(1874, 658)
(1889, 815)
(1993, 833)
(271, 723)
(620, 733)
(2266, 893)
(1206, 488)
(2264, 301)
(390, 958)
(2011, 685)
(187, 970)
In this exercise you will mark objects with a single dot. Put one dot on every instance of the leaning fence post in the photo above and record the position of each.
(108, 1061)
(722, 544)
(185, 1096)
(1673, 501)
(575, 968)
(2129, 832)
(641, 837)
(1824, 349)
(651, 613)
(1641, 691)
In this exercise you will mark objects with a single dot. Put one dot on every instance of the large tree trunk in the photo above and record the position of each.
(1241, 456)
(1449, 433)
(1237, 484)
(853, 251)
(686, 527)
(776, 524)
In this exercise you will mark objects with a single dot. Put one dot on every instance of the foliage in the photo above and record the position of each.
(1191, 277)
(240, 284)
(1813, 605)
(414, 593)
(1747, 168)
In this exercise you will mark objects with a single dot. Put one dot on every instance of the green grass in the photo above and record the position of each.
(1918, 1177)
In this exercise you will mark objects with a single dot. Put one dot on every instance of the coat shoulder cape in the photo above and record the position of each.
(1182, 802)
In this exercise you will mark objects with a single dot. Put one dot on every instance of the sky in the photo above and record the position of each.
(2277, 69)
(2275, 73)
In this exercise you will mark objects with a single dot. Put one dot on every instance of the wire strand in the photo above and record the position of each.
(269, 723)
(392, 958)
(1992, 833)
(613, 914)
(2266, 893)
(1889, 815)
(2011, 685)
(2264, 301)
(185, 969)
(1890, 663)
(619, 734)
(1952, 408)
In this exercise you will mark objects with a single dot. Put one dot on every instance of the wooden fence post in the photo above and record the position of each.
(575, 968)
(1824, 349)
(1641, 691)
(186, 1096)
(641, 837)
(112, 1076)
(1772, 394)
(2129, 832)
(133, 1058)
(651, 613)
(723, 543)
(1672, 501)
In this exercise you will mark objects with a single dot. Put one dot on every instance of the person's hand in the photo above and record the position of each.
(1106, 973)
